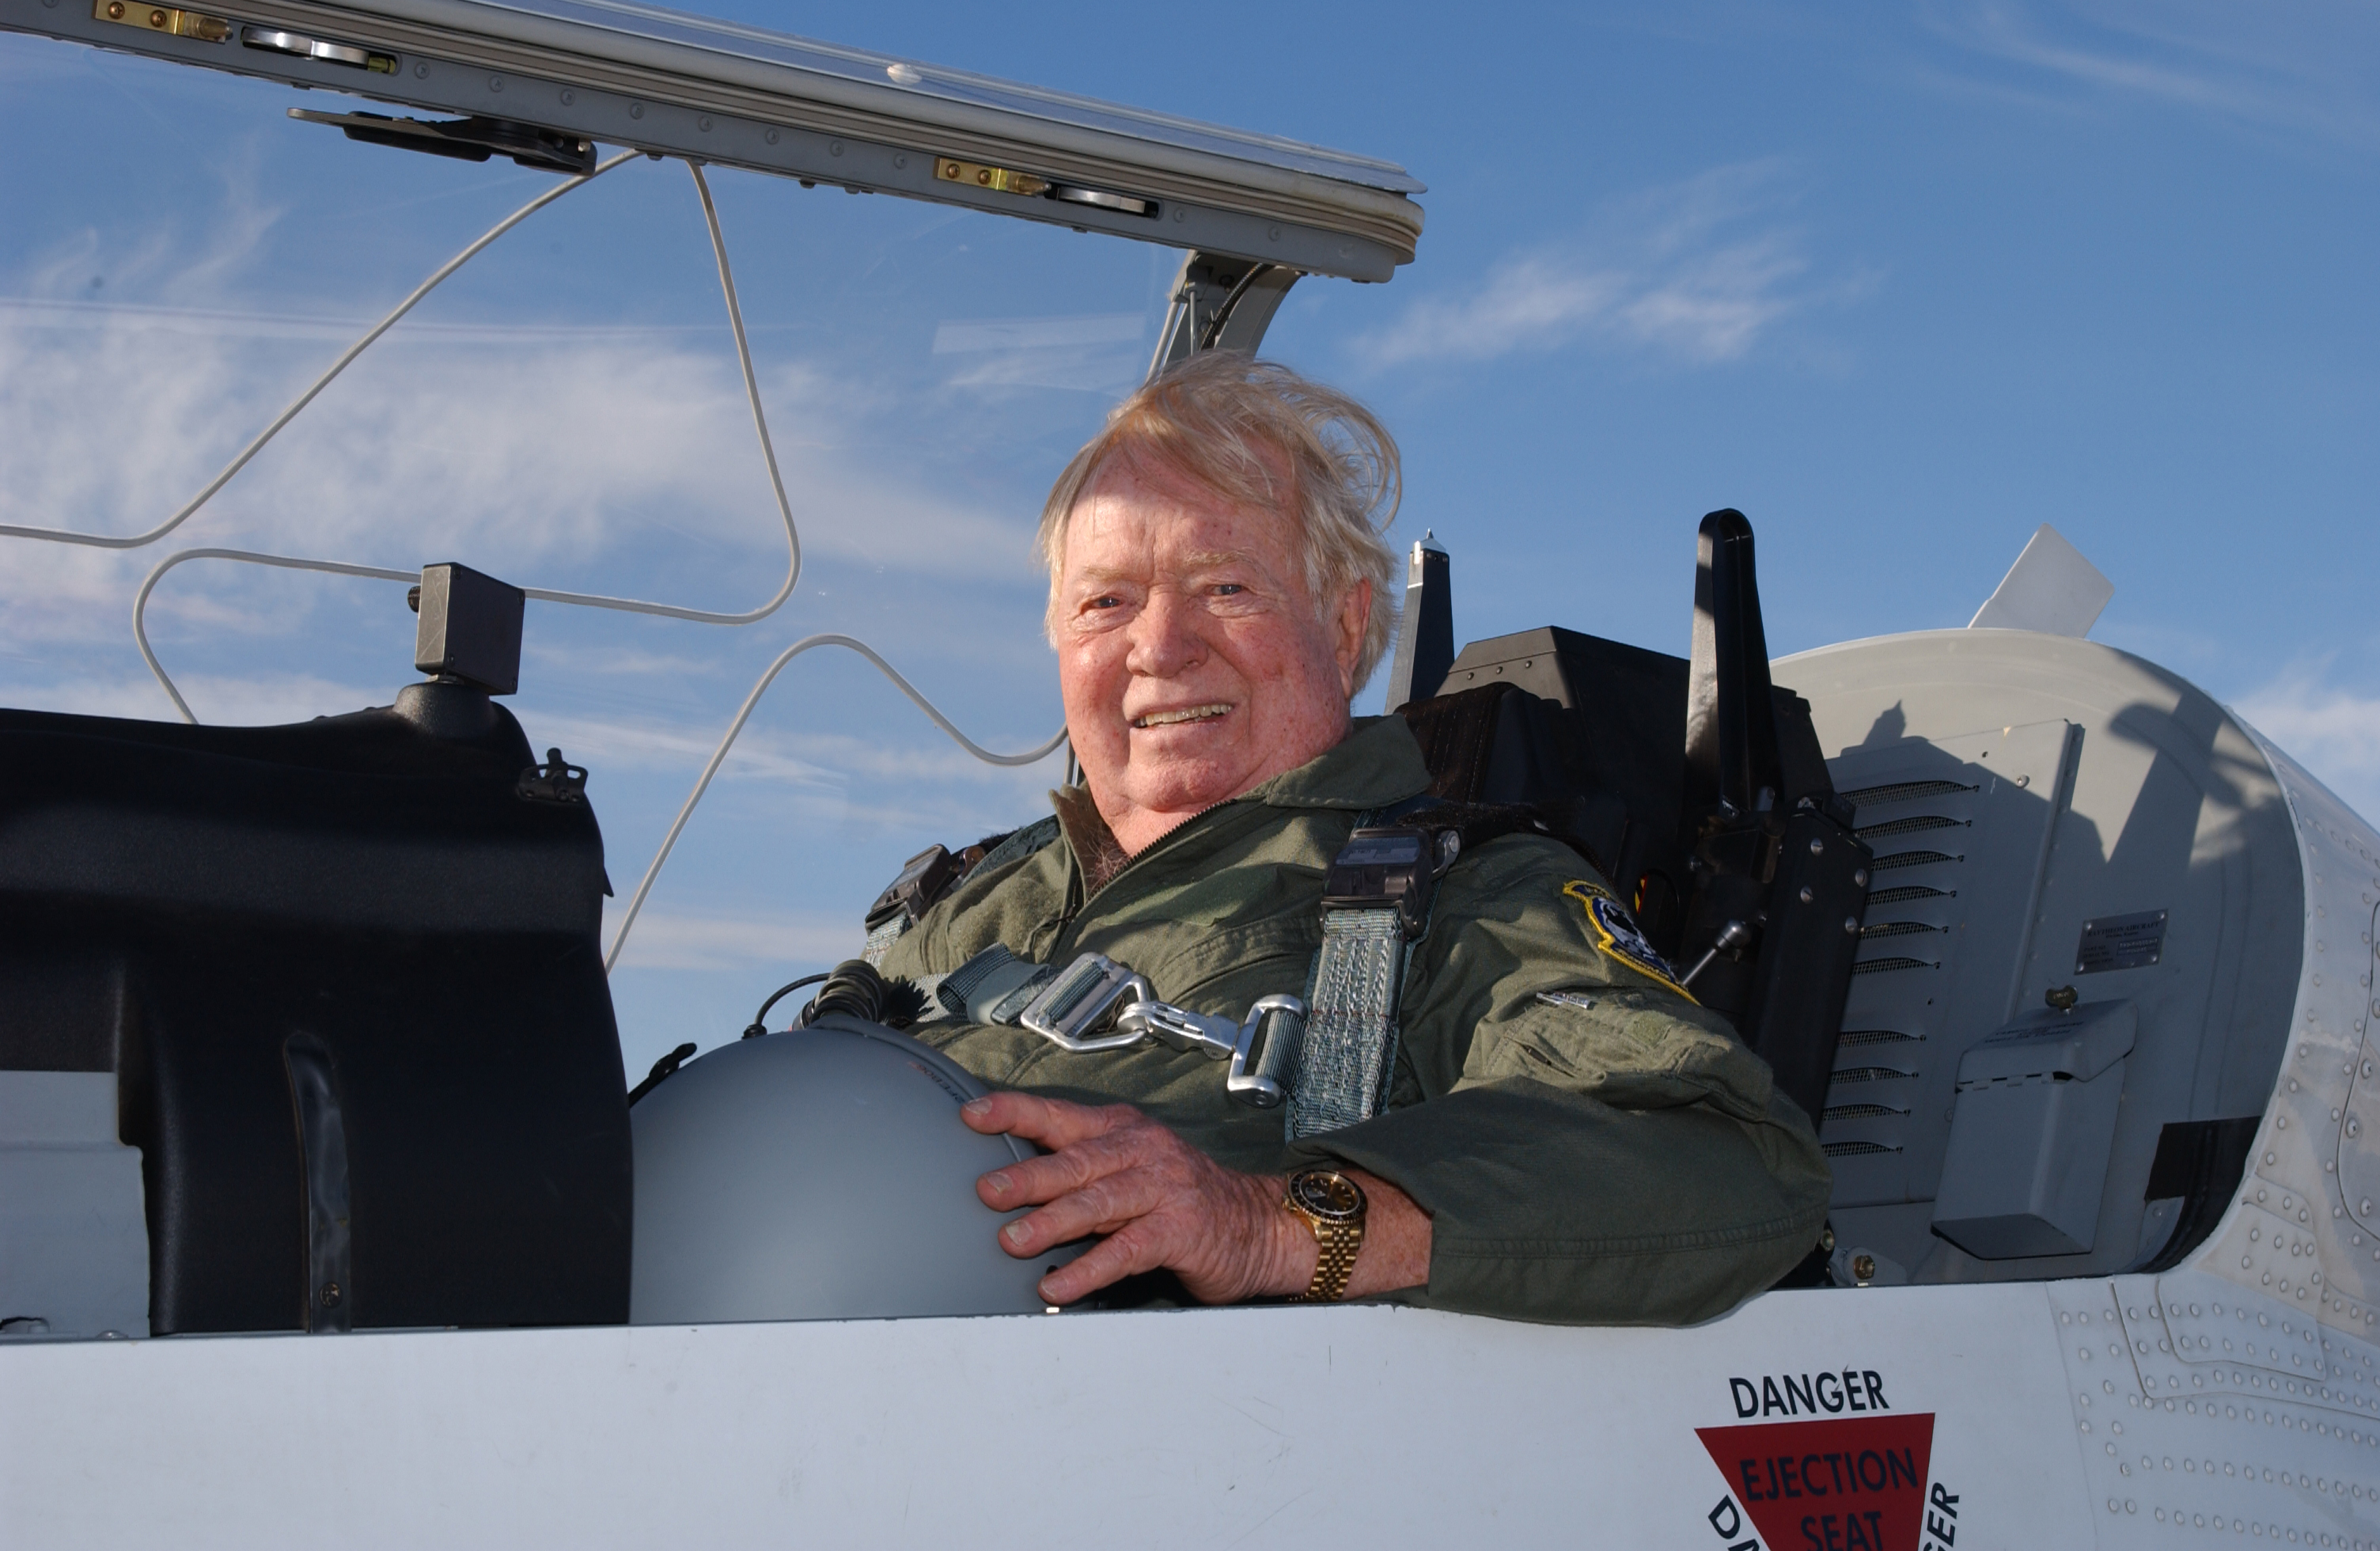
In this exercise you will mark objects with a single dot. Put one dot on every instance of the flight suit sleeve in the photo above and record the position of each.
(1591, 1146)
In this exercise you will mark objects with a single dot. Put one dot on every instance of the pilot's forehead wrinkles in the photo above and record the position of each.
(1196, 561)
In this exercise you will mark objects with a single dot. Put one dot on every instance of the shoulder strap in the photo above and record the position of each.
(935, 871)
(1375, 907)
(1017, 845)
(1376, 904)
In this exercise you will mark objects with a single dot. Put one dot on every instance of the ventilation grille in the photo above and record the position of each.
(1897, 928)
(1910, 859)
(1871, 1074)
(1916, 823)
(1863, 1111)
(1908, 891)
(1903, 791)
(1854, 1149)
(1892, 965)
(1854, 1038)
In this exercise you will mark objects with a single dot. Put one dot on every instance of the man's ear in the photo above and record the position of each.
(1354, 616)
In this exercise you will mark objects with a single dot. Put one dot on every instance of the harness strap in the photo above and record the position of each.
(1376, 908)
(1019, 844)
(994, 986)
(882, 936)
(934, 872)
(1349, 1051)
(1338, 1062)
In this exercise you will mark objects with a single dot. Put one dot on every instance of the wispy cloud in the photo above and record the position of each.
(1097, 352)
(958, 338)
(2309, 66)
(134, 362)
(1696, 272)
(87, 312)
(533, 461)
(666, 940)
(245, 700)
(790, 759)
(2333, 731)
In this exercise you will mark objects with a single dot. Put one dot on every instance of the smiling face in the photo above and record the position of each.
(1194, 663)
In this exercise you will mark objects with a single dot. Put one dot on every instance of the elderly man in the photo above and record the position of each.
(1565, 1135)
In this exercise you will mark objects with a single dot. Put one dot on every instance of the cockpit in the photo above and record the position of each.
(337, 1019)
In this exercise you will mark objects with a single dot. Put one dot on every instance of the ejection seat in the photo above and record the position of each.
(1695, 785)
(312, 1018)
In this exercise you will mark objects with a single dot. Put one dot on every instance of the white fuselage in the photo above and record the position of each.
(2236, 1396)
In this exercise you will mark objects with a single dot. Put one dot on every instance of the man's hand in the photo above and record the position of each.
(1160, 1202)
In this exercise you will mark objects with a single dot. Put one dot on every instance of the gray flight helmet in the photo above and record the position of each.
(822, 1173)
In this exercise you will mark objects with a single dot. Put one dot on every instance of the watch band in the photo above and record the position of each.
(1333, 1206)
(1339, 1246)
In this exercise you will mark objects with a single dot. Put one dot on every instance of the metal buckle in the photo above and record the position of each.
(1075, 1002)
(1262, 1089)
(1180, 1028)
(1220, 1039)
(1070, 1007)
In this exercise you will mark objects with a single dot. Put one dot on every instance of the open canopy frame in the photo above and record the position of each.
(597, 70)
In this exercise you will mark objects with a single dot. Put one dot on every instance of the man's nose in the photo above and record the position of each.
(1165, 639)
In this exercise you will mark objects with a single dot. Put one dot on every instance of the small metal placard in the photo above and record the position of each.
(2120, 943)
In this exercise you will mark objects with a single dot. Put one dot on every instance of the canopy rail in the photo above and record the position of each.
(566, 72)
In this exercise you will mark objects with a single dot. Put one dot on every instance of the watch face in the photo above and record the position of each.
(1329, 1195)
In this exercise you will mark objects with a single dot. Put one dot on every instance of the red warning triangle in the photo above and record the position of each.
(1854, 1485)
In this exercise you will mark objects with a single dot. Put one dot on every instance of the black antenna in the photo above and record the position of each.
(1731, 754)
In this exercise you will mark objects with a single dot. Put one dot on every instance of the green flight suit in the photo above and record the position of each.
(1628, 1162)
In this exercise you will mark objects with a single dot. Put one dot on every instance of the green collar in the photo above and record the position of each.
(1376, 763)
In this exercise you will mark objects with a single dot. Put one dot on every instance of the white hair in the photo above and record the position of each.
(1226, 421)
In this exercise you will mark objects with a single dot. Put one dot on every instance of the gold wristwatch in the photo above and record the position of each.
(1332, 1205)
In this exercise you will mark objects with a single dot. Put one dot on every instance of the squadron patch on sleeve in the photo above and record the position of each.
(1616, 936)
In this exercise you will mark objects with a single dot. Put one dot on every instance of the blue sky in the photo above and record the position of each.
(1900, 281)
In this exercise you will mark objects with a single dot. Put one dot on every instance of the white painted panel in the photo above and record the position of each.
(2206, 1412)
(2305, 1228)
(74, 1242)
(1363, 1426)
(1942, 939)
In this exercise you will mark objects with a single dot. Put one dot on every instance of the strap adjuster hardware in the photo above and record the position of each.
(923, 879)
(1390, 866)
(1280, 1021)
(1261, 1048)
(1078, 1000)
